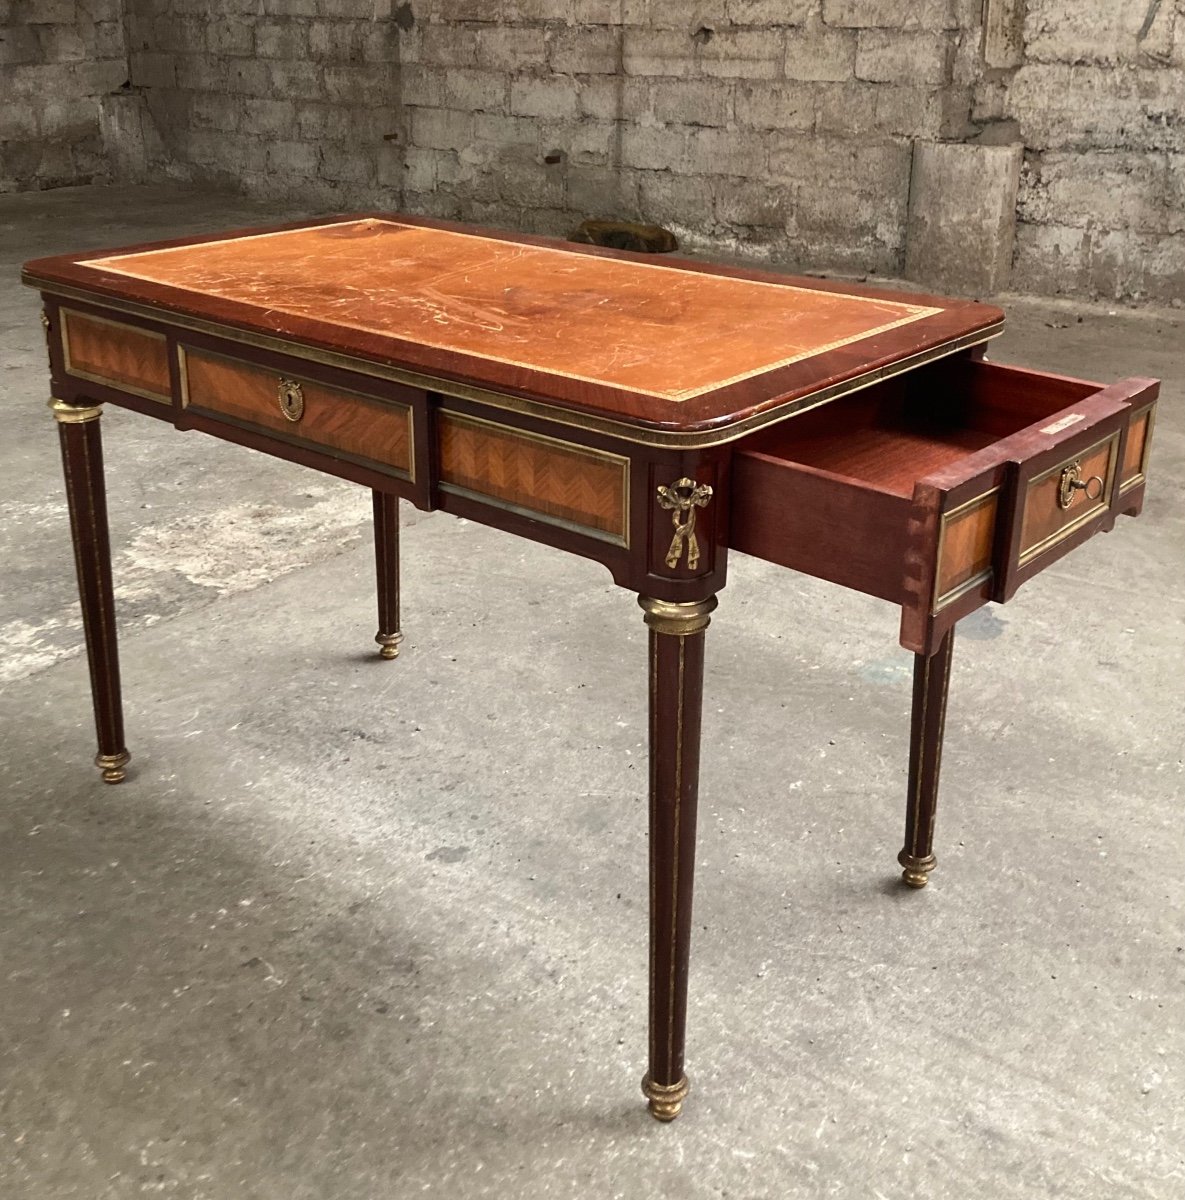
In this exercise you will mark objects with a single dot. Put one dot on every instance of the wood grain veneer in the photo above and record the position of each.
(1135, 453)
(115, 354)
(966, 545)
(571, 483)
(334, 419)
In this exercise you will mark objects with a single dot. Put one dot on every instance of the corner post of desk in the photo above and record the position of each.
(86, 497)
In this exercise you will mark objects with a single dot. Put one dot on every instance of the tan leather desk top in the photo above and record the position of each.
(641, 338)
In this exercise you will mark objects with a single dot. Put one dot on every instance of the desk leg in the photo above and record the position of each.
(931, 683)
(386, 559)
(676, 689)
(82, 464)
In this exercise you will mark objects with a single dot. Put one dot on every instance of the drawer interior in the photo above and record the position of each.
(889, 436)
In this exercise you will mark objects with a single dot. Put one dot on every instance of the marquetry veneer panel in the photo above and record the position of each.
(555, 479)
(119, 355)
(375, 431)
(965, 550)
(1135, 454)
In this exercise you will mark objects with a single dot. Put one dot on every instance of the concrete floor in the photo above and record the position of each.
(357, 930)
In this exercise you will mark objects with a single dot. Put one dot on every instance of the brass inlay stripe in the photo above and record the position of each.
(93, 377)
(641, 434)
(1097, 508)
(509, 431)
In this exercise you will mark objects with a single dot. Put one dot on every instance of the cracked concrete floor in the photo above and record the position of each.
(359, 930)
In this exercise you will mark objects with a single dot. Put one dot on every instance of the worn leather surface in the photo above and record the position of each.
(649, 328)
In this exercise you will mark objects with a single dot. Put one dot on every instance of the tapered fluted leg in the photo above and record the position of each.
(82, 464)
(386, 559)
(931, 682)
(676, 688)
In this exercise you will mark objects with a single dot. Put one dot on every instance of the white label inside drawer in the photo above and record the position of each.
(1064, 423)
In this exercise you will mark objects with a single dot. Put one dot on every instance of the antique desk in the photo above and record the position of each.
(646, 414)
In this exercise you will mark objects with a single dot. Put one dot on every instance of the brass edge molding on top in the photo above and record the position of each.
(1099, 506)
(1141, 475)
(64, 314)
(513, 431)
(678, 618)
(948, 518)
(408, 472)
(74, 414)
(639, 434)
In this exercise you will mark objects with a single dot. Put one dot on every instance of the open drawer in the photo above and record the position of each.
(944, 488)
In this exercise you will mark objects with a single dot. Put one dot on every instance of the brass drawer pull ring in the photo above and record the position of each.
(1072, 481)
(291, 396)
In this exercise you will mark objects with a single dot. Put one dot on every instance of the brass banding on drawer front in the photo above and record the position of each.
(344, 423)
(116, 354)
(543, 477)
(1067, 496)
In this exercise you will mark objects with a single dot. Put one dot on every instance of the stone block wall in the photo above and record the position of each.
(782, 127)
(1099, 104)
(58, 58)
(789, 127)
(292, 98)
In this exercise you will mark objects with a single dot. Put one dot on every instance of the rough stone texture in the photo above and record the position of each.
(58, 58)
(356, 930)
(292, 98)
(788, 128)
(962, 206)
(783, 128)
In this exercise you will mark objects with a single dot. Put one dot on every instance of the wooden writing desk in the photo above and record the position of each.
(646, 414)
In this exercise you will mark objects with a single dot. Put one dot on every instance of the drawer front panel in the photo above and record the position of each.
(1135, 454)
(298, 409)
(1055, 506)
(544, 477)
(114, 353)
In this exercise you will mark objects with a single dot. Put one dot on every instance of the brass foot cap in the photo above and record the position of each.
(917, 870)
(112, 766)
(388, 644)
(666, 1099)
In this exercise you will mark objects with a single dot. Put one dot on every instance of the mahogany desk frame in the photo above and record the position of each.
(654, 495)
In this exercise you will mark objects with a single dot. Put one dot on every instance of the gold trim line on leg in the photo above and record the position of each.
(666, 1099)
(678, 619)
(112, 766)
(74, 414)
(917, 870)
(388, 644)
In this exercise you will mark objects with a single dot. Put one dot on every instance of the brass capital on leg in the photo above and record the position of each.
(666, 1099)
(678, 619)
(74, 414)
